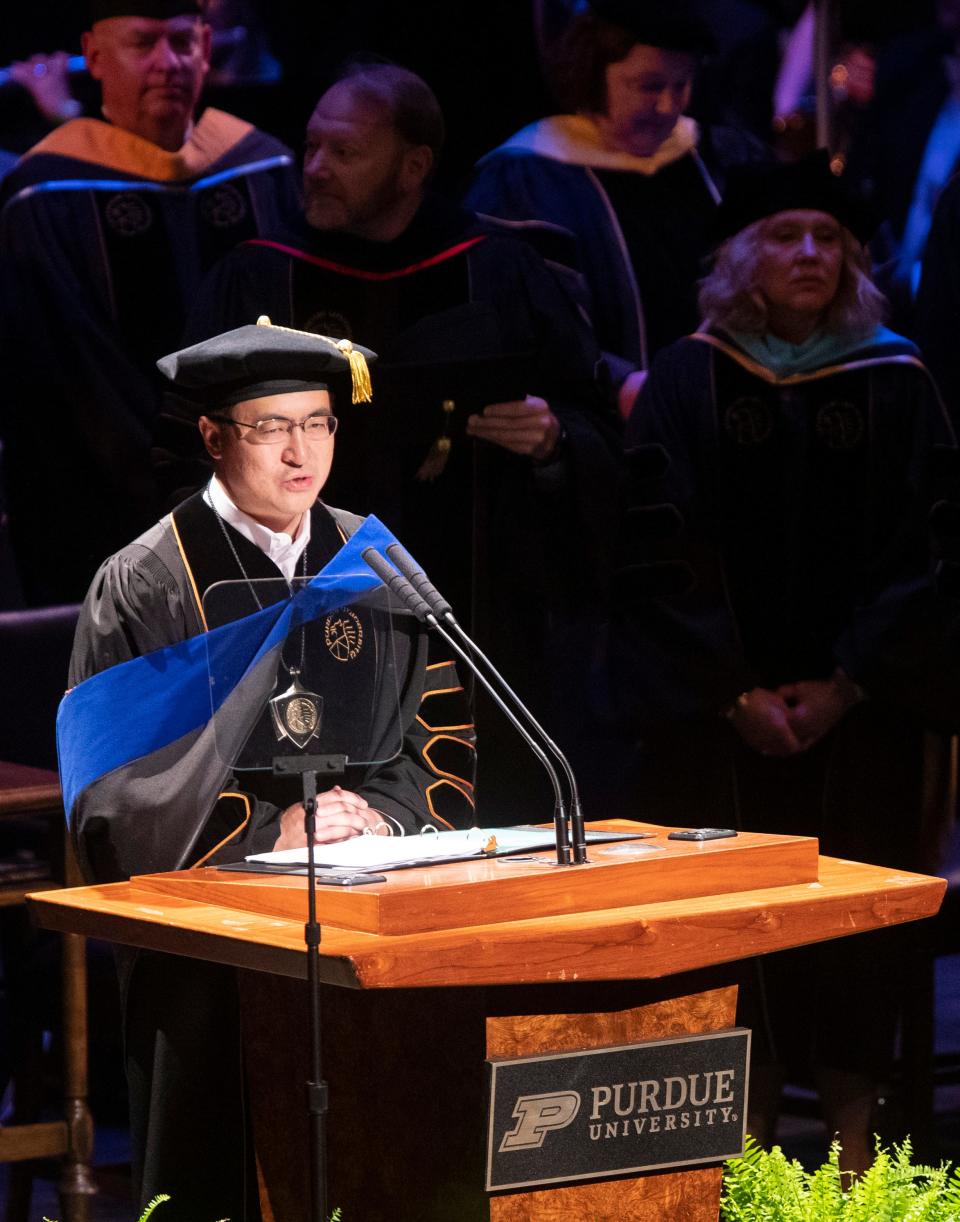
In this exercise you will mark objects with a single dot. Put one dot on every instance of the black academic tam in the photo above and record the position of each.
(261, 359)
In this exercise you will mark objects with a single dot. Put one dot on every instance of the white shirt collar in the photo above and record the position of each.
(276, 544)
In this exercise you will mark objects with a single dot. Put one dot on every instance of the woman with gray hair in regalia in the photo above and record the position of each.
(780, 648)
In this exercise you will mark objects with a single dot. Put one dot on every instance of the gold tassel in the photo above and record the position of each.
(361, 389)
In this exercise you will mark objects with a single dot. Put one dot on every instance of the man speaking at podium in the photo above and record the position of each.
(266, 420)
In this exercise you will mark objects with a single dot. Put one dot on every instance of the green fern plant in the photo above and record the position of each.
(148, 1212)
(766, 1186)
(158, 1200)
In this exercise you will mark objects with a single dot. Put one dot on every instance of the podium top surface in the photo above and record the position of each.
(484, 891)
(502, 941)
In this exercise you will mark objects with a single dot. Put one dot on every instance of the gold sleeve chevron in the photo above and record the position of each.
(449, 750)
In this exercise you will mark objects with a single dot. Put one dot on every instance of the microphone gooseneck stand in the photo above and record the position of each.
(442, 610)
(415, 601)
(564, 854)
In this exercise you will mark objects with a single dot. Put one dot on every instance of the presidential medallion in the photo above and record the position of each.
(296, 713)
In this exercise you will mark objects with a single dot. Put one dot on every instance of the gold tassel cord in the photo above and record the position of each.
(264, 321)
(362, 391)
(361, 388)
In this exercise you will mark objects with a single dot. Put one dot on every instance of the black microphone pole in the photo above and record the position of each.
(442, 610)
(317, 1092)
(415, 602)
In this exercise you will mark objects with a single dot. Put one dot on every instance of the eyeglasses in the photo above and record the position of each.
(274, 430)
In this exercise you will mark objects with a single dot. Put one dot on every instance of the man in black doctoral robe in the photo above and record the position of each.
(266, 422)
(106, 229)
(486, 449)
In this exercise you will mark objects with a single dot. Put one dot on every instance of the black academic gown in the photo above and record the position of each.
(636, 237)
(104, 239)
(778, 529)
(181, 1018)
(458, 313)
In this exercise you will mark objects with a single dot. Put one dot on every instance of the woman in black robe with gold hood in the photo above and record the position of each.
(779, 647)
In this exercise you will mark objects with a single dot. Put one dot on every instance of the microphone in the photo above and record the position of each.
(405, 563)
(442, 609)
(397, 584)
(426, 594)
(411, 598)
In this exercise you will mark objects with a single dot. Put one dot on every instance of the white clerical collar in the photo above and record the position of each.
(276, 544)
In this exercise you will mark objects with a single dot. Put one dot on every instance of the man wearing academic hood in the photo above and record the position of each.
(107, 226)
(265, 411)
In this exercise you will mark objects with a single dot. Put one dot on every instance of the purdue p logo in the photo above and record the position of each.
(536, 1116)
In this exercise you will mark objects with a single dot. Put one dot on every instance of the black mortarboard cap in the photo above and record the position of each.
(674, 25)
(101, 10)
(761, 189)
(258, 360)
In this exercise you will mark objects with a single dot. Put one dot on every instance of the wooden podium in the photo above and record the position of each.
(432, 972)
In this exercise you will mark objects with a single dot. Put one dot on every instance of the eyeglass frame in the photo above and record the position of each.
(292, 424)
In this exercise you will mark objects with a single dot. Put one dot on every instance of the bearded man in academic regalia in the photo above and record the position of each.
(485, 448)
(106, 229)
